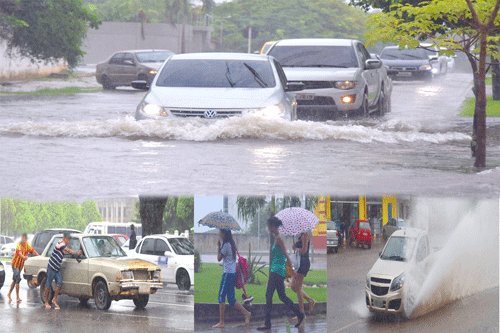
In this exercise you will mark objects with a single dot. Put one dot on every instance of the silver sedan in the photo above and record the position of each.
(218, 85)
(123, 67)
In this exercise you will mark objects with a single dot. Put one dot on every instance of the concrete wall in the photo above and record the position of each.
(116, 36)
(17, 68)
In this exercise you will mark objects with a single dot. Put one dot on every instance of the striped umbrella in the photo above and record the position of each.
(296, 220)
(220, 220)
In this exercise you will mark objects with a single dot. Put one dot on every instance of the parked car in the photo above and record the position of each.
(412, 64)
(6, 243)
(218, 85)
(2, 275)
(43, 237)
(5, 240)
(339, 75)
(392, 225)
(174, 254)
(120, 239)
(123, 67)
(266, 47)
(103, 272)
(406, 256)
(360, 233)
(333, 239)
(8, 250)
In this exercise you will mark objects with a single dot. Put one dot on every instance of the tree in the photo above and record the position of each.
(47, 30)
(179, 214)
(467, 26)
(8, 216)
(281, 19)
(90, 213)
(25, 221)
(151, 210)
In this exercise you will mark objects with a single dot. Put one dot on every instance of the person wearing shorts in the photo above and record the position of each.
(302, 245)
(54, 269)
(22, 250)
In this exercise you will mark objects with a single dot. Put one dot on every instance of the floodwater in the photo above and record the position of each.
(88, 145)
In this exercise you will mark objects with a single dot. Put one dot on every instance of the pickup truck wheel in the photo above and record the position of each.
(363, 110)
(382, 104)
(101, 296)
(141, 301)
(42, 290)
(182, 280)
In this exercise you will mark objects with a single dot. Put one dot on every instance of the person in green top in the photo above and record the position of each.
(277, 275)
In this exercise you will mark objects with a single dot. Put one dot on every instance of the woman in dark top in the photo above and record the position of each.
(302, 246)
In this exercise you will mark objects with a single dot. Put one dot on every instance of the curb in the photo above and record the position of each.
(208, 312)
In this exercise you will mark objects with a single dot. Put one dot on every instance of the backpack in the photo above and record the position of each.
(241, 272)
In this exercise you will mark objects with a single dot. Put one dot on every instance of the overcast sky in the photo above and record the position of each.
(204, 205)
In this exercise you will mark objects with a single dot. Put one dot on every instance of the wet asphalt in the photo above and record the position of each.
(169, 310)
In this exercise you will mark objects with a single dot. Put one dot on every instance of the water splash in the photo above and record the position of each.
(250, 126)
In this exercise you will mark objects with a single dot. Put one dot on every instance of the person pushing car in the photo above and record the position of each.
(54, 269)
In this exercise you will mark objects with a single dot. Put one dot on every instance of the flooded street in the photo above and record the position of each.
(169, 309)
(87, 145)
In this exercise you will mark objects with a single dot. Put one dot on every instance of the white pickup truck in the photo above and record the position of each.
(403, 264)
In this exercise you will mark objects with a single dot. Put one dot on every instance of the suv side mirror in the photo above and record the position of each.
(140, 84)
(373, 64)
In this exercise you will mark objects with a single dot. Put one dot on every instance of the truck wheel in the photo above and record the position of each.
(141, 301)
(381, 104)
(182, 280)
(42, 290)
(101, 296)
(363, 109)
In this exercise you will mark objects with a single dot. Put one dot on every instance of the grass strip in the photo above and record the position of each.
(67, 91)
(492, 107)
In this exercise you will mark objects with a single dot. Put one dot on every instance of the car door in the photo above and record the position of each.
(129, 69)
(371, 76)
(75, 274)
(115, 65)
(167, 263)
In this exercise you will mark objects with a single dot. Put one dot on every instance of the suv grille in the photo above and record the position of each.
(379, 291)
(318, 100)
(374, 279)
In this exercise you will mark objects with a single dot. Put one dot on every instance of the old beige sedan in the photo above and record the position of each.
(123, 67)
(103, 272)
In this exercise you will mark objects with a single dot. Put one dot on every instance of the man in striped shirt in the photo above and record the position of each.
(54, 269)
(22, 250)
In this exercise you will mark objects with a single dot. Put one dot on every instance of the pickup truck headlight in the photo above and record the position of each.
(153, 109)
(272, 110)
(344, 85)
(127, 275)
(157, 275)
(397, 283)
(425, 68)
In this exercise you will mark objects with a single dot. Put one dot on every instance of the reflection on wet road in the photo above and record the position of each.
(90, 145)
(169, 310)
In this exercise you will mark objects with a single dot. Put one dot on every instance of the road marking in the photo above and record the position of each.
(346, 327)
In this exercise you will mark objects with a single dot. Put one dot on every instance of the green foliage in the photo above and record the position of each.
(254, 267)
(48, 30)
(21, 216)
(281, 19)
(66, 91)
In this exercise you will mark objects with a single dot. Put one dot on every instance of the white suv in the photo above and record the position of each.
(406, 257)
(339, 77)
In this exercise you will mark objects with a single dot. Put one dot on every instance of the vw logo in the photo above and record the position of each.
(209, 114)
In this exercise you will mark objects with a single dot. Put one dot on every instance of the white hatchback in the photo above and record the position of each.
(174, 254)
(218, 85)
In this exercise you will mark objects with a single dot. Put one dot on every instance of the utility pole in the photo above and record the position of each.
(249, 39)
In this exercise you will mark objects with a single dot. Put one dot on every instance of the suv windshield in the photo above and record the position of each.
(181, 246)
(208, 73)
(412, 54)
(153, 56)
(331, 225)
(315, 56)
(398, 249)
(102, 246)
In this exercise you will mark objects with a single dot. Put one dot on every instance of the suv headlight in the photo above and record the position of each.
(127, 275)
(425, 68)
(397, 283)
(272, 110)
(156, 275)
(344, 85)
(153, 109)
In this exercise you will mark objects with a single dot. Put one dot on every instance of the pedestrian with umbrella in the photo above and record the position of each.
(226, 251)
(277, 275)
(298, 221)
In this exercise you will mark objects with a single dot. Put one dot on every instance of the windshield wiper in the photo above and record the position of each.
(228, 76)
(256, 75)
(397, 258)
(334, 66)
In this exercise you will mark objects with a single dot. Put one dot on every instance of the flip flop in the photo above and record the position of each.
(57, 308)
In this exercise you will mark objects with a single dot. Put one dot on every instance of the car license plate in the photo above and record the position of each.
(378, 303)
(404, 74)
(144, 289)
(304, 97)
